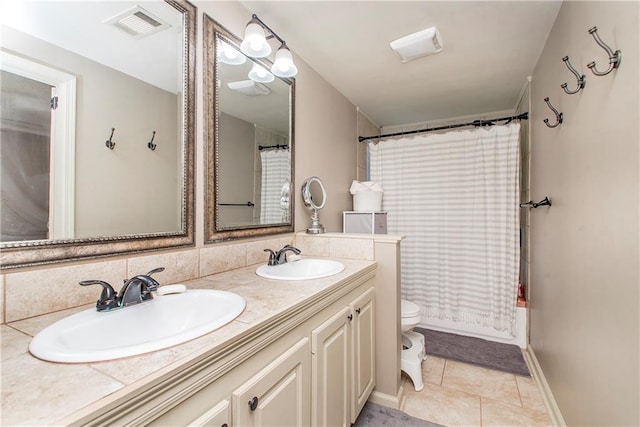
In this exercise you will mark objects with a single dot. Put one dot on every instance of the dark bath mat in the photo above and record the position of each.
(488, 354)
(374, 415)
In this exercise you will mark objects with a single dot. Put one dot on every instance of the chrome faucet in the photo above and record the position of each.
(280, 257)
(134, 291)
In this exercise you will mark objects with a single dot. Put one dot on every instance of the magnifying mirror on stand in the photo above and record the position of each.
(314, 197)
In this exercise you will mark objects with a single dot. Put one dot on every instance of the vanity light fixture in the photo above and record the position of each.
(260, 74)
(229, 55)
(283, 65)
(417, 45)
(256, 45)
(255, 42)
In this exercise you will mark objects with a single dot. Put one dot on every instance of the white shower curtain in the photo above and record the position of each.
(455, 196)
(275, 190)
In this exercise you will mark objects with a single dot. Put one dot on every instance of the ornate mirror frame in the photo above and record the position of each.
(36, 252)
(213, 233)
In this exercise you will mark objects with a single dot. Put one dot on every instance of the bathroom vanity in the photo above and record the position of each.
(302, 353)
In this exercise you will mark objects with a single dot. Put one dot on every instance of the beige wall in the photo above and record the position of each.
(585, 259)
(326, 143)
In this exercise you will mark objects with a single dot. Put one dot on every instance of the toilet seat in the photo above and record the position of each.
(409, 309)
(410, 315)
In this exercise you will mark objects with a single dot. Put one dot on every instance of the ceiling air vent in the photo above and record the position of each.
(249, 88)
(138, 22)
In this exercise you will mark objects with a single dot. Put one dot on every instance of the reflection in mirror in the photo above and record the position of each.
(249, 141)
(75, 78)
(314, 197)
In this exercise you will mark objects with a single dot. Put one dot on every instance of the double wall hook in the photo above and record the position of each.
(614, 57)
(150, 144)
(558, 115)
(109, 143)
(581, 79)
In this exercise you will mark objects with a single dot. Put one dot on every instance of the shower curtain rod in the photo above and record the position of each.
(490, 122)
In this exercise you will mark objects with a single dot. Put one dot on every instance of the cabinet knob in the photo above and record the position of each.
(225, 425)
(253, 403)
(358, 310)
(350, 317)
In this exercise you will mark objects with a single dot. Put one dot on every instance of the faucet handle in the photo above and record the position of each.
(108, 299)
(272, 257)
(155, 270)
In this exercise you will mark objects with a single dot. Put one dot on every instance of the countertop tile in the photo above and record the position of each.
(39, 393)
(14, 342)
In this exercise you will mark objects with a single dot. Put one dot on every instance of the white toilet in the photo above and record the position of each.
(413, 350)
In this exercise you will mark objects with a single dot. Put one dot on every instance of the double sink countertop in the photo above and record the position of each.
(36, 392)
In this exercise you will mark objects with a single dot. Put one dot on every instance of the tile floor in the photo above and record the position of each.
(458, 394)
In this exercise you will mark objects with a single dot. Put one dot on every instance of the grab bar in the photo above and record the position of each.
(250, 204)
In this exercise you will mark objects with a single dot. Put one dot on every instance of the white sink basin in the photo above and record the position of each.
(90, 336)
(304, 269)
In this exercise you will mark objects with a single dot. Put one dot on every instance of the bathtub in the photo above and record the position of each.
(489, 334)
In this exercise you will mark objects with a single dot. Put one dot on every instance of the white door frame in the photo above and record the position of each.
(63, 140)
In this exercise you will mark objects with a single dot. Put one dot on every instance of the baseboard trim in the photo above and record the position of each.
(387, 400)
(549, 401)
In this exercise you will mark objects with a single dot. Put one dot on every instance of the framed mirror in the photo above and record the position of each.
(250, 142)
(97, 121)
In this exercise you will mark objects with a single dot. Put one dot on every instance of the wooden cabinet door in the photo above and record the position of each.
(218, 416)
(331, 359)
(364, 345)
(278, 395)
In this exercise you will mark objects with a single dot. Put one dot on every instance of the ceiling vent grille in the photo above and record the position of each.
(249, 88)
(138, 22)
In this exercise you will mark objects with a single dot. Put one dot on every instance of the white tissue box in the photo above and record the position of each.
(367, 201)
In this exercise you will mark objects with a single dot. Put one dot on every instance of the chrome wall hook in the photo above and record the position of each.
(558, 115)
(150, 144)
(614, 57)
(581, 79)
(109, 143)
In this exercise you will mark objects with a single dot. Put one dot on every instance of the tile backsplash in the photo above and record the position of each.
(337, 245)
(36, 291)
